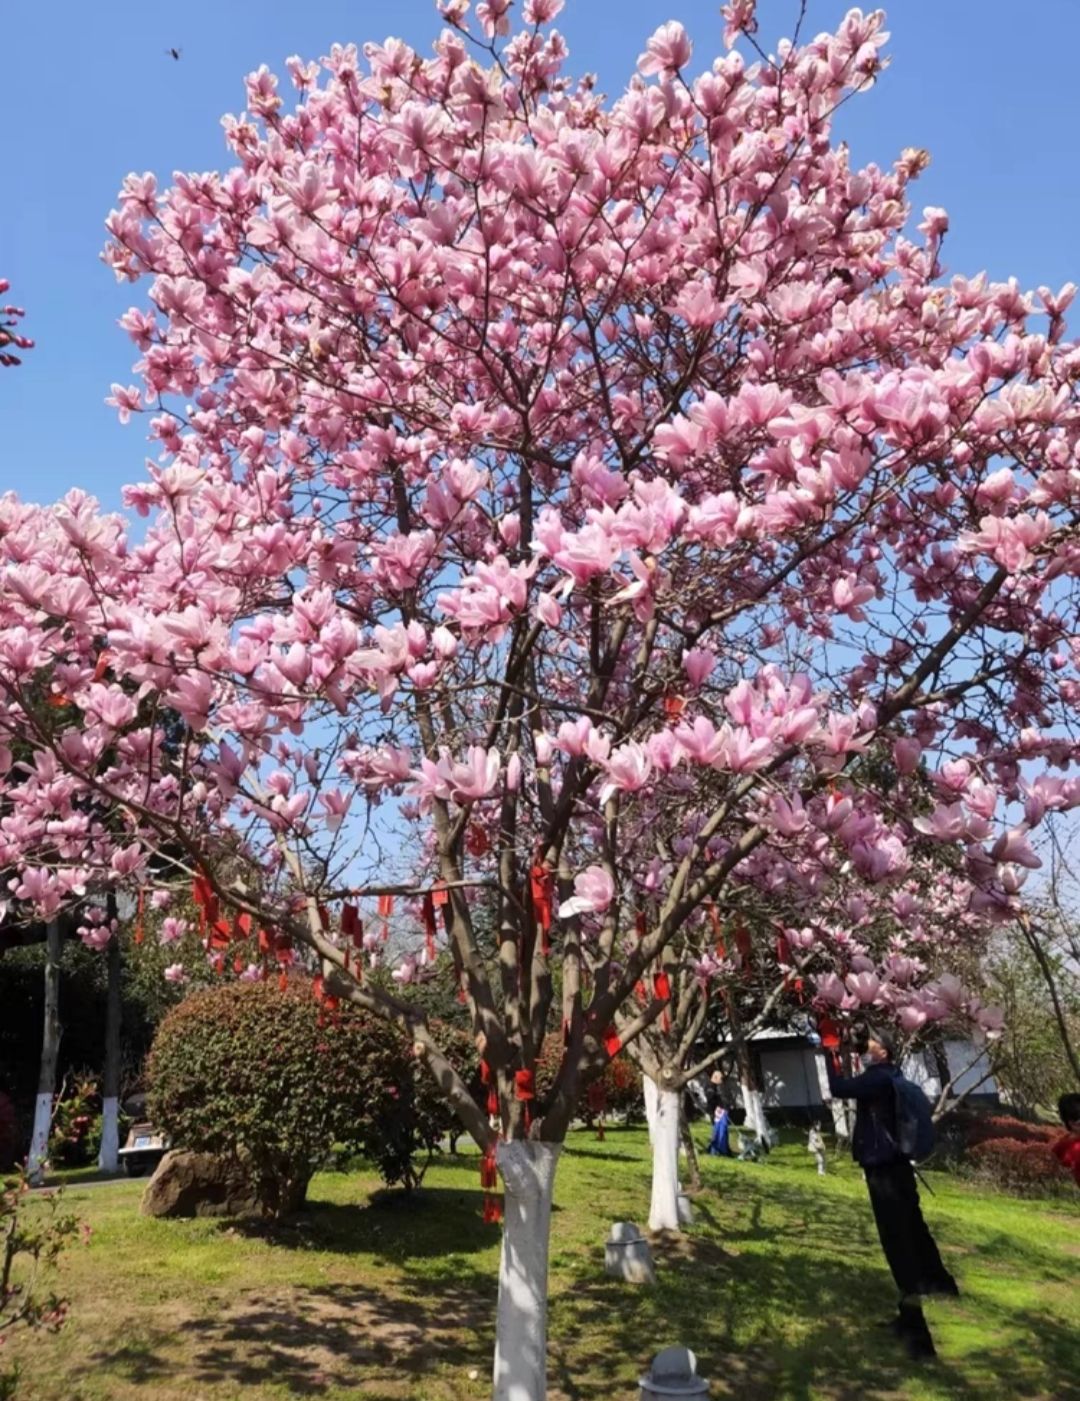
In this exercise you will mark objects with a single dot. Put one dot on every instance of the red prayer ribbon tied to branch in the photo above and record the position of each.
(139, 936)
(492, 1095)
(202, 892)
(427, 910)
(351, 926)
(785, 956)
(525, 1091)
(489, 1181)
(662, 989)
(829, 1033)
(542, 891)
(718, 929)
(386, 909)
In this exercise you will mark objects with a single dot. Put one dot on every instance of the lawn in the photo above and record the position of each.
(776, 1288)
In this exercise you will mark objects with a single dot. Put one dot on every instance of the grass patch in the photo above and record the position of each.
(776, 1287)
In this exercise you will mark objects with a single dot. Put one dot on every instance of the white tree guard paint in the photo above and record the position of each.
(837, 1107)
(664, 1209)
(528, 1173)
(754, 1104)
(651, 1092)
(39, 1142)
(109, 1153)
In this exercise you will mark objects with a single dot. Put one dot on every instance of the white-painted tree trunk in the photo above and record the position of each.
(664, 1209)
(651, 1092)
(528, 1173)
(109, 1152)
(39, 1142)
(754, 1104)
(837, 1107)
(50, 1052)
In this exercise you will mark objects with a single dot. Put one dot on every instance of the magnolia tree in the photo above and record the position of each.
(808, 925)
(500, 426)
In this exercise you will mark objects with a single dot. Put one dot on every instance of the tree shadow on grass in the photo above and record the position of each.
(314, 1340)
(432, 1222)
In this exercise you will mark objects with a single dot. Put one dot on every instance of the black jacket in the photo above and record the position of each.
(874, 1091)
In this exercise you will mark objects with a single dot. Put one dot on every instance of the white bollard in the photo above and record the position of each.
(627, 1255)
(673, 1373)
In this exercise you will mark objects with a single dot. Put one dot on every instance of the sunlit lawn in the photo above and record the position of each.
(776, 1287)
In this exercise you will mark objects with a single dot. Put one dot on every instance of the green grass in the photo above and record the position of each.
(776, 1287)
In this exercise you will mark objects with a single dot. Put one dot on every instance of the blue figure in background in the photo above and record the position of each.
(719, 1147)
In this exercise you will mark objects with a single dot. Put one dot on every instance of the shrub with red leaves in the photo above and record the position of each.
(620, 1085)
(1025, 1168)
(999, 1126)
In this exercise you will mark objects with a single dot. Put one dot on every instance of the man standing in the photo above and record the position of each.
(910, 1249)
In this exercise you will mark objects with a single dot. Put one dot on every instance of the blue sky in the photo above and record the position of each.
(985, 85)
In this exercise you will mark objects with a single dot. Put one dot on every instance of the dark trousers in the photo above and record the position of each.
(905, 1237)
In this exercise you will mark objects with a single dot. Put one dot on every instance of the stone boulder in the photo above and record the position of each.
(200, 1184)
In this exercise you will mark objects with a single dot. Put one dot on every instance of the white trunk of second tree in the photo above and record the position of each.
(754, 1104)
(50, 1051)
(528, 1173)
(651, 1092)
(109, 1152)
(664, 1210)
(39, 1142)
(838, 1108)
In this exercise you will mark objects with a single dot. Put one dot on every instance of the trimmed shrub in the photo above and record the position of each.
(266, 1074)
(1025, 1168)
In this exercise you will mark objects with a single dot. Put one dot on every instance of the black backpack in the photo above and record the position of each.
(914, 1120)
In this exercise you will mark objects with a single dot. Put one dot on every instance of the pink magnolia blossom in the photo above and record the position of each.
(594, 891)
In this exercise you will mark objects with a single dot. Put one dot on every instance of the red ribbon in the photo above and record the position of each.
(428, 910)
(674, 707)
(662, 989)
(220, 935)
(476, 840)
(541, 888)
(489, 1181)
(139, 918)
(351, 928)
(829, 1033)
(202, 892)
(612, 1042)
(386, 909)
(525, 1091)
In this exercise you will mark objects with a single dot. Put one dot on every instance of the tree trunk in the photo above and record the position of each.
(689, 1148)
(50, 1050)
(838, 1108)
(108, 1156)
(754, 1104)
(651, 1093)
(664, 1210)
(528, 1173)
